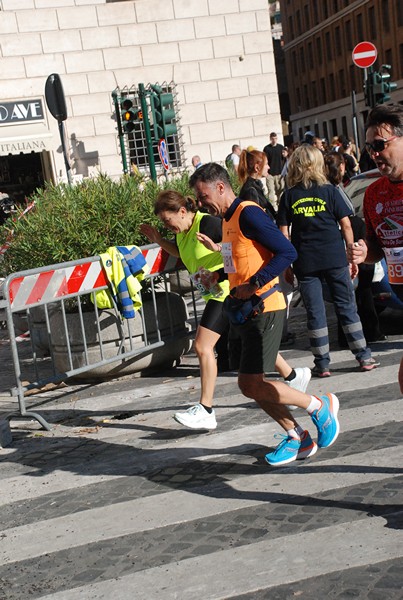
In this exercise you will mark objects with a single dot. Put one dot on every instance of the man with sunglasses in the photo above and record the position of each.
(383, 200)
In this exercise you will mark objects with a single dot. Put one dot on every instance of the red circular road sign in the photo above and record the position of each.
(364, 55)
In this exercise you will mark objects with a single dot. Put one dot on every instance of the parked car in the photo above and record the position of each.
(355, 188)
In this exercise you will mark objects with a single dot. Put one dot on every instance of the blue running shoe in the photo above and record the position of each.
(308, 446)
(286, 451)
(325, 419)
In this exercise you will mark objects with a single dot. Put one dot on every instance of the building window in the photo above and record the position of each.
(298, 93)
(298, 21)
(314, 94)
(323, 97)
(337, 41)
(306, 16)
(291, 27)
(385, 16)
(325, 131)
(306, 97)
(342, 83)
(372, 23)
(302, 58)
(335, 6)
(310, 55)
(332, 87)
(360, 33)
(388, 56)
(325, 9)
(401, 57)
(399, 11)
(328, 46)
(319, 53)
(294, 63)
(349, 37)
(315, 11)
(333, 124)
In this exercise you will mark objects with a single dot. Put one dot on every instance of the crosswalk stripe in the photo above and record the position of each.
(333, 482)
(249, 568)
(170, 508)
(25, 486)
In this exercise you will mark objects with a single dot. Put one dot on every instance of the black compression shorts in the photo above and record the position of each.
(213, 317)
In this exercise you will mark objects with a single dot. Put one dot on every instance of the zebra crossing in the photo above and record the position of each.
(118, 501)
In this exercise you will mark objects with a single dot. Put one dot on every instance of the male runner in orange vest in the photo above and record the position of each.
(255, 252)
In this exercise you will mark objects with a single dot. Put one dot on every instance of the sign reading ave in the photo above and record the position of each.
(21, 111)
(364, 55)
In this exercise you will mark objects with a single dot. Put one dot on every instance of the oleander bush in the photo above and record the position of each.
(73, 222)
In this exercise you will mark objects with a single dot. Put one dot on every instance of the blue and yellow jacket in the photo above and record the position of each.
(125, 267)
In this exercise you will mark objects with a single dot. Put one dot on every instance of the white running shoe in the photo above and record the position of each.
(300, 382)
(196, 417)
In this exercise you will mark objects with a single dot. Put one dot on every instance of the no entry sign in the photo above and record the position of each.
(364, 55)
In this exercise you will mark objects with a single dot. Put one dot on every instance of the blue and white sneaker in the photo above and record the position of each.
(308, 446)
(286, 451)
(325, 419)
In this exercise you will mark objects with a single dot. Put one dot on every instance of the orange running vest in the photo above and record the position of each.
(248, 257)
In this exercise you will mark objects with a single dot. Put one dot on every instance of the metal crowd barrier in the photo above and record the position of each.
(38, 302)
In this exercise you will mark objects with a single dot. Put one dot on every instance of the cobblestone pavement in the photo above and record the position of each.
(118, 501)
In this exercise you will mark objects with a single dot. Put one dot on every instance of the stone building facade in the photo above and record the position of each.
(319, 39)
(218, 53)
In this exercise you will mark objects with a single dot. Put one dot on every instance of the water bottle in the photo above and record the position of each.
(204, 281)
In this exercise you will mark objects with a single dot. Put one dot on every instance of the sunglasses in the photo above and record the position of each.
(379, 145)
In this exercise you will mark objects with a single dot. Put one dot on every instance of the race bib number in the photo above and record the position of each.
(226, 252)
(196, 280)
(394, 259)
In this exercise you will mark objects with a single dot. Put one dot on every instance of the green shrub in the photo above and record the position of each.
(73, 222)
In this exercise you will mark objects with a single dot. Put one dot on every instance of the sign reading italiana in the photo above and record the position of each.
(21, 111)
(22, 146)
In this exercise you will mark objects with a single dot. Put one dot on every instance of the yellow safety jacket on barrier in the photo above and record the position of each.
(125, 267)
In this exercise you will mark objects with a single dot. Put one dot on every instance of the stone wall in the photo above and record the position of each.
(218, 52)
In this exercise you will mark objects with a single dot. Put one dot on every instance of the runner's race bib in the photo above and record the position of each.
(394, 259)
(226, 252)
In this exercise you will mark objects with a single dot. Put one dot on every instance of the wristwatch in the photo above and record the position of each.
(254, 281)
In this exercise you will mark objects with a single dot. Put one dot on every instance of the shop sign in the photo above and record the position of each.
(22, 146)
(21, 111)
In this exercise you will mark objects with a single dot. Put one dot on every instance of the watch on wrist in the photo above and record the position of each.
(254, 281)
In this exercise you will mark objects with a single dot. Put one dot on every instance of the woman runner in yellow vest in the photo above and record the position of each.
(180, 215)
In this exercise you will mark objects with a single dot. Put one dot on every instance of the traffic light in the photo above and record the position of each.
(369, 90)
(163, 111)
(130, 115)
(383, 85)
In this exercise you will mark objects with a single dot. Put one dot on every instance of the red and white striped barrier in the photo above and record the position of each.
(158, 260)
(55, 283)
(52, 284)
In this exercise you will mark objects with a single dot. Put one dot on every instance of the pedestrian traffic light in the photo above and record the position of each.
(130, 115)
(163, 112)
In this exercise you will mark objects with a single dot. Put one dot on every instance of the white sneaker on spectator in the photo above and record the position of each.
(300, 382)
(196, 417)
